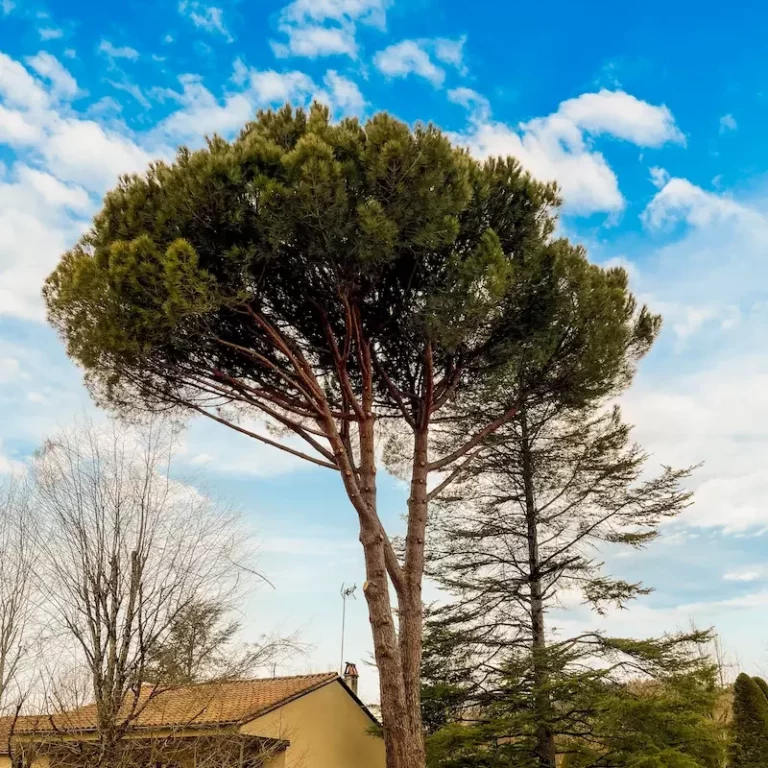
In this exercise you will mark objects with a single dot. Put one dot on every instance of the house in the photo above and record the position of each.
(307, 721)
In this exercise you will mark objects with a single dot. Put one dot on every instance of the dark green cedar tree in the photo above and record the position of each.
(749, 726)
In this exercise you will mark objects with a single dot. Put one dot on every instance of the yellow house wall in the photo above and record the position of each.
(326, 729)
(278, 761)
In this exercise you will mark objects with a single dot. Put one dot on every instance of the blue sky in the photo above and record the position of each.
(652, 122)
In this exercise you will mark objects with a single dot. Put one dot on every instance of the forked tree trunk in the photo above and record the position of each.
(397, 653)
(397, 650)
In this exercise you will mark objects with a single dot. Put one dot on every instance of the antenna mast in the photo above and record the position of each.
(346, 592)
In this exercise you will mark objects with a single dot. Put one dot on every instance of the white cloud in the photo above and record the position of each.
(6, 6)
(406, 58)
(659, 177)
(343, 93)
(39, 218)
(680, 200)
(450, 52)
(687, 320)
(105, 107)
(221, 450)
(64, 162)
(712, 412)
(270, 87)
(16, 129)
(207, 17)
(86, 153)
(239, 72)
(623, 116)
(50, 191)
(314, 28)
(743, 575)
(50, 68)
(50, 33)
(708, 276)
(558, 147)
(18, 88)
(728, 123)
(415, 57)
(553, 151)
(476, 103)
(312, 41)
(118, 52)
(203, 113)
(372, 12)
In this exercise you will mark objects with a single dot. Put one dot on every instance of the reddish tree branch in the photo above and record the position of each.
(260, 438)
(475, 440)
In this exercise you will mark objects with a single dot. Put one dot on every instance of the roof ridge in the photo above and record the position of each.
(266, 679)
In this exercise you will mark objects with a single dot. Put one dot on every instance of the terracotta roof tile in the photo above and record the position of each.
(207, 704)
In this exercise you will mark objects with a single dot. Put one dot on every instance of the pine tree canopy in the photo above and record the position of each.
(305, 228)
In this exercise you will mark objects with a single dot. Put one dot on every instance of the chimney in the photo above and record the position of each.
(351, 677)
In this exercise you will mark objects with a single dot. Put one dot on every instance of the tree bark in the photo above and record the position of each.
(545, 741)
(398, 681)
(410, 604)
(386, 651)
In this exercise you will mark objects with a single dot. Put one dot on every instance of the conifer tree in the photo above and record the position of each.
(338, 281)
(749, 727)
(762, 685)
(524, 529)
(650, 703)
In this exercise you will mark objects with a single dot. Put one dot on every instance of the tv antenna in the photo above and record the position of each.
(346, 593)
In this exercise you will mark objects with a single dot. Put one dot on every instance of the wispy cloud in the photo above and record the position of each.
(112, 51)
(728, 123)
(50, 33)
(49, 67)
(314, 28)
(743, 575)
(132, 90)
(207, 17)
(478, 106)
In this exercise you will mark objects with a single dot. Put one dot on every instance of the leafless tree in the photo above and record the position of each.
(125, 549)
(17, 558)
